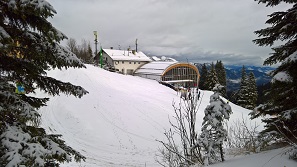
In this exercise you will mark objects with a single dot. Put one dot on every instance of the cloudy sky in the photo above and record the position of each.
(194, 30)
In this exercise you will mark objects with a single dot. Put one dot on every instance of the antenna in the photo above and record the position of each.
(96, 41)
(128, 50)
(136, 44)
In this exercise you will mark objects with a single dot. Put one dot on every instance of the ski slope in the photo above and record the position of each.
(118, 122)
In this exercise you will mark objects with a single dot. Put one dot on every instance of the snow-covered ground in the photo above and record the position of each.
(118, 122)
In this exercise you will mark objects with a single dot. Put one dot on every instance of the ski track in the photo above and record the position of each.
(118, 122)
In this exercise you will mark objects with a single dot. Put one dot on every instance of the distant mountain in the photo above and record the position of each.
(233, 73)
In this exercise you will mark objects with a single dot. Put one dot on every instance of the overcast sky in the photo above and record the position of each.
(198, 30)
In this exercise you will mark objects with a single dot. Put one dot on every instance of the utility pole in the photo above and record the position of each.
(96, 42)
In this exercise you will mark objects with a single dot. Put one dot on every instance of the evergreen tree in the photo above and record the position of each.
(211, 78)
(252, 91)
(242, 96)
(29, 46)
(203, 76)
(221, 73)
(281, 99)
(213, 132)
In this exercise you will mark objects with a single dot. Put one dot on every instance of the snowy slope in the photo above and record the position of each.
(116, 124)
(272, 158)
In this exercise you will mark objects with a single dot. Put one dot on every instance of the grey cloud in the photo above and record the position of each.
(200, 29)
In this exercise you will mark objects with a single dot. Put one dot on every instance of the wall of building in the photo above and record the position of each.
(123, 66)
(127, 67)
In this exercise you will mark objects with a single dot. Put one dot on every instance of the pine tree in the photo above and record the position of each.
(213, 132)
(203, 76)
(252, 91)
(211, 78)
(281, 99)
(221, 73)
(29, 46)
(243, 92)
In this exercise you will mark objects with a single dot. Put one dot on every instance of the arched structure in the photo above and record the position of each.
(173, 73)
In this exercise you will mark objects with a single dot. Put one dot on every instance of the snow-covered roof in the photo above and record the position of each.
(155, 67)
(126, 55)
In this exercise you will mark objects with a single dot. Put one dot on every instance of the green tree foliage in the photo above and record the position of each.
(29, 46)
(252, 92)
(281, 102)
(247, 94)
(211, 78)
(213, 133)
(203, 76)
(221, 73)
(242, 96)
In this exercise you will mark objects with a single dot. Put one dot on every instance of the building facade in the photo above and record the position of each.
(171, 72)
(124, 61)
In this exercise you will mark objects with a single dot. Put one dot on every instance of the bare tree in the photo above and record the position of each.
(185, 151)
(82, 51)
(243, 137)
(72, 45)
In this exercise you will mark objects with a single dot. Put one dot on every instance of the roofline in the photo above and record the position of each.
(178, 64)
(118, 59)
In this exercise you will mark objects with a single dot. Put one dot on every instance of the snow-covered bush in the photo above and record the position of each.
(213, 133)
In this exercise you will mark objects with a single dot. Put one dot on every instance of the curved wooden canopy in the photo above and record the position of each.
(182, 65)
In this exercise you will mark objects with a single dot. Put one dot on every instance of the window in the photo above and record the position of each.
(129, 71)
(138, 62)
(123, 62)
(130, 62)
(134, 62)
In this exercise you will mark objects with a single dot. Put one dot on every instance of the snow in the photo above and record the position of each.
(126, 55)
(235, 80)
(118, 122)
(274, 158)
(3, 33)
(155, 58)
(282, 76)
(155, 67)
(292, 57)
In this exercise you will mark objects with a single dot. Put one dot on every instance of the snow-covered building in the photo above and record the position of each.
(170, 72)
(125, 61)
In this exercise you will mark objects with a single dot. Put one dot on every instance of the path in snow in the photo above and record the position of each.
(118, 122)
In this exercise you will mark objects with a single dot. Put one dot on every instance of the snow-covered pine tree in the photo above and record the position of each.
(213, 132)
(243, 92)
(281, 102)
(211, 78)
(203, 77)
(252, 91)
(221, 73)
(29, 45)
